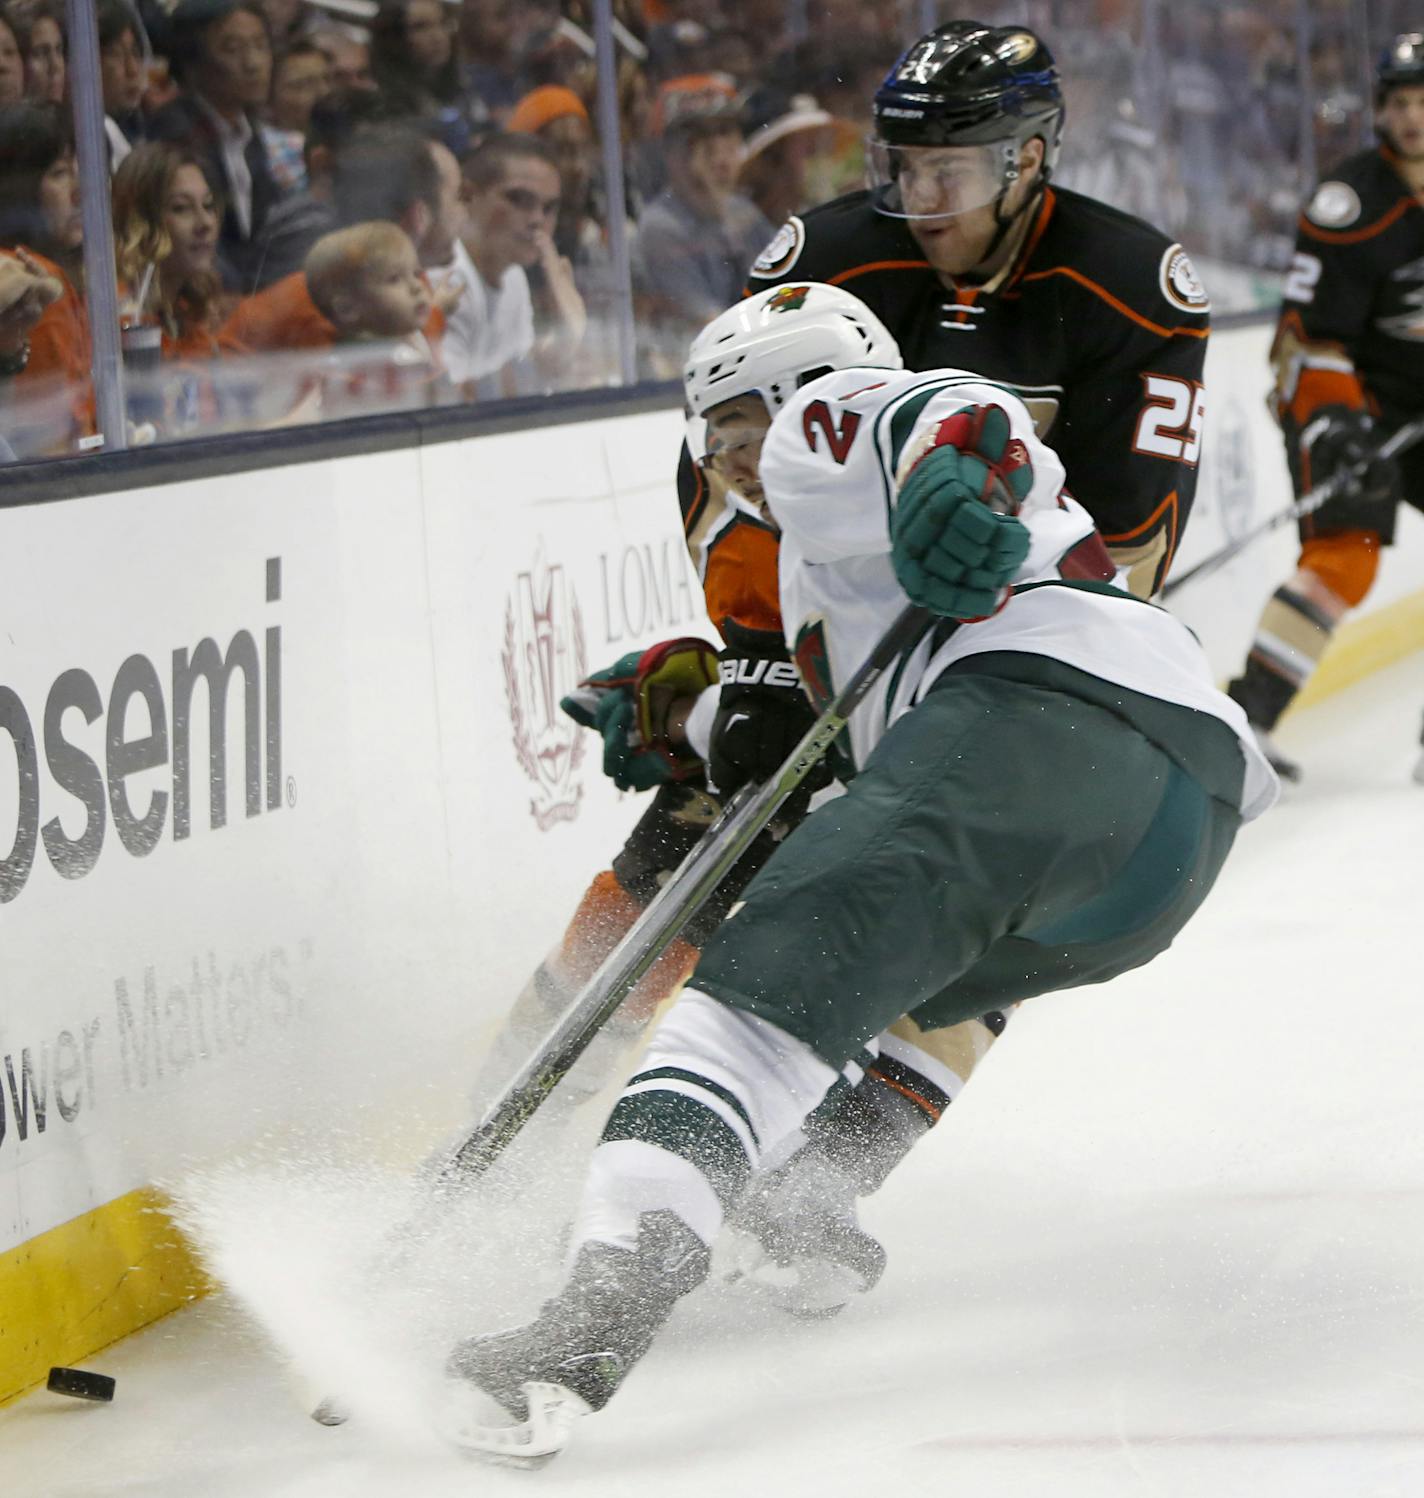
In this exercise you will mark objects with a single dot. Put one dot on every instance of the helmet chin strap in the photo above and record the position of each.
(1004, 223)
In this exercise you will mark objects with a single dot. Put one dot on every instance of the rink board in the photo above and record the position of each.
(291, 812)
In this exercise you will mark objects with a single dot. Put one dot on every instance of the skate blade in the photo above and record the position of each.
(530, 1443)
(807, 1291)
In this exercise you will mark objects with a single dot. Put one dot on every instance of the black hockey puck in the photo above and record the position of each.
(79, 1383)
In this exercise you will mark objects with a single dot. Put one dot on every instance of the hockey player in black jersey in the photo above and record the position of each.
(1349, 360)
(971, 257)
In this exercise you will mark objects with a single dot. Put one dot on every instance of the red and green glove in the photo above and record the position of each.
(954, 540)
(628, 705)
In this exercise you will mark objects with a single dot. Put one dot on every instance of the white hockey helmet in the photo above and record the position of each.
(775, 341)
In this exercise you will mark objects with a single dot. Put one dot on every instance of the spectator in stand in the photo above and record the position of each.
(166, 219)
(367, 282)
(301, 76)
(286, 23)
(300, 219)
(223, 62)
(382, 172)
(39, 214)
(784, 133)
(123, 73)
(350, 57)
(39, 186)
(557, 117)
(512, 203)
(417, 69)
(486, 32)
(12, 65)
(26, 290)
(40, 31)
(699, 235)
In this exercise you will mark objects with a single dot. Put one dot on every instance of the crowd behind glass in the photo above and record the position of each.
(331, 208)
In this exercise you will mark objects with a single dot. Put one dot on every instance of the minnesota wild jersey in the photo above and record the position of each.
(831, 467)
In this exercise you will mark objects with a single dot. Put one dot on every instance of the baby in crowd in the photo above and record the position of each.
(367, 282)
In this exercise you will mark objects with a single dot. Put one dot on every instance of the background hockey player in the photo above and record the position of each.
(1349, 359)
(954, 874)
(972, 260)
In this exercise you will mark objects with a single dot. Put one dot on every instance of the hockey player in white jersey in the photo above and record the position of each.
(1039, 795)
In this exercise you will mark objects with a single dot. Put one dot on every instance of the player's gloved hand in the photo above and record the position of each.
(1341, 441)
(762, 714)
(629, 702)
(955, 544)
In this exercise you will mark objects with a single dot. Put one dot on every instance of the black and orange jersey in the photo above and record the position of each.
(734, 548)
(1100, 327)
(1352, 315)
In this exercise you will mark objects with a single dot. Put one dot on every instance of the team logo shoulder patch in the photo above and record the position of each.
(1180, 283)
(1334, 205)
(783, 251)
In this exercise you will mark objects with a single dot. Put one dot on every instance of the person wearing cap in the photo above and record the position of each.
(697, 236)
(784, 132)
(1349, 362)
(558, 117)
(221, 55)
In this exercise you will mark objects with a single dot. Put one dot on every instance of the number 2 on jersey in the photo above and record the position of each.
(1171, 422)
(818, 418)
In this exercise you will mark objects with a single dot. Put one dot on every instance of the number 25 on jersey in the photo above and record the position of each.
(1170, 425)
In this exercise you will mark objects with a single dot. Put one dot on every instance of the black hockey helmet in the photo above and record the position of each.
(966, 84)
(1401, 63)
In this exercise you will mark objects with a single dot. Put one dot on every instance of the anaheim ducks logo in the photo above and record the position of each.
(1180, 283)
(783, 251)
(544, 658)
(1334, 205)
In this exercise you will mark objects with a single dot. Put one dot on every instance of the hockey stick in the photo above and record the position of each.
(696, 879)
(1307, 504)
(667, 914)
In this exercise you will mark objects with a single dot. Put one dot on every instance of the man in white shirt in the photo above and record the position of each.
(512, 202)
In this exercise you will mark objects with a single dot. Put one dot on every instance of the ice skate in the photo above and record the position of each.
(515, 1395)
(799, 1244)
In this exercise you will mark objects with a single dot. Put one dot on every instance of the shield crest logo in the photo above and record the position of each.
(544, 657)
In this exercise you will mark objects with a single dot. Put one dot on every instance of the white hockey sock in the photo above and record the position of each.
(716, 1088)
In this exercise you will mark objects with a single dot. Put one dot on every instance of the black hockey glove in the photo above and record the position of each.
(1339, 440)
(762, 714)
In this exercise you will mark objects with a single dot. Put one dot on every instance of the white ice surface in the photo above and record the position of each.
(1170, 1243)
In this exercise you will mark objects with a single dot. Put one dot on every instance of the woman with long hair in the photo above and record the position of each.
(416, 63)
(166, 222)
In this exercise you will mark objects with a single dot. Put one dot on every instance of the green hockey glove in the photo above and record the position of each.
(628, 704)
(954, 540)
